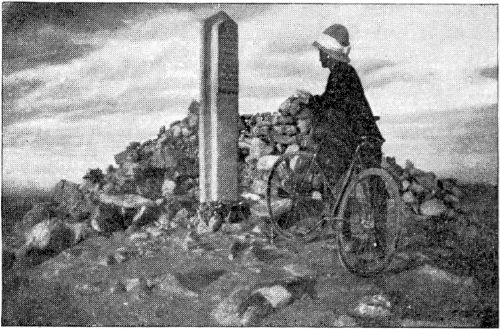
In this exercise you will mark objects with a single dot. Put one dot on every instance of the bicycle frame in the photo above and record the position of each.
(344, 181)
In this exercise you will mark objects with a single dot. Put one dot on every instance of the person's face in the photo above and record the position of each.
(324, 59)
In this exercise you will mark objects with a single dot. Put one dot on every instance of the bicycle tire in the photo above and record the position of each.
(312, 194)
(362, 248)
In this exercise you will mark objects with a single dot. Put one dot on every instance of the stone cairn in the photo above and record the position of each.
(157, 181)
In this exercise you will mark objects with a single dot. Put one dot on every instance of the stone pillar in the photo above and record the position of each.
(218, 130)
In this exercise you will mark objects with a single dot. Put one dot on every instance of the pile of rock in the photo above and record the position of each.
(157, 180)
(423, 193)
(266, 136)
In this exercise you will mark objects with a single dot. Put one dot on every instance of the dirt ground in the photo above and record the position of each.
(175, 278)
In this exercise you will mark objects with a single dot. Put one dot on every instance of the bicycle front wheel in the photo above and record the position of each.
(297, 196)
(371, 212)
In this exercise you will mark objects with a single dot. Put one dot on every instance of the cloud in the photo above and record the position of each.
(116, 72)
(370, 66)
(126, 73)
(46, 46)
(489, 72)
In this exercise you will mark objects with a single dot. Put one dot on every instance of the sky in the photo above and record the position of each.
(82, 80)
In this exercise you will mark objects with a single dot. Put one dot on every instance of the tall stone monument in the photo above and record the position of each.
(218, 130)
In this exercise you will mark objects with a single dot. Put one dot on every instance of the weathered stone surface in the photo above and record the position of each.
(416, 188)
(133, 284)
(427, 180)
(409, 198)
(373, 307)
(345, 321)
(284, 139)
(276, 295)
(37, 214)
(297, 270)
(106, 218)
(433, 207)
(49, 235)
(168, 187)
(126, 200)
(227, 312)
(167, 284)
(304, 125)
(292, 148)
(267, 162)
(259, 187)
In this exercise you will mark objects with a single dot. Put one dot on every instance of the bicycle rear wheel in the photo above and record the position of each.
(297, 196)
(371, 212)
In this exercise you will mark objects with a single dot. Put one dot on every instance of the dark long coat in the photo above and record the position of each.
(343, 105)
(342, 112)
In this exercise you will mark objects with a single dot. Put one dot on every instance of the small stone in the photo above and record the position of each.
(277, 295)
(250, 196)
(289, 130)
(260, 131)
(345, 321)
(163, 221)
(409, 198)
(132, 284)
(186, 132)
(118, 258)
(427, 180)
(416, 188)
(168, 284)
(452, 200)
(176, 131)
(284, 120)
(191, 240)
(267, 162)
(257, 148)
(117, 288)
(193, 120)
(305, 113)
(214, 223)
(227, 313)
(440, 275)
(138, 236)
(373, 307)
(304, 125)
(456, 192)
(154, 232)
(261, 122)
(181, 215)
(259, 187)
(232, 228)
(299, 271)
(433, 207)
(285, 139)
(405, 184)
(87, 289)
(168, 187)
(292, 148)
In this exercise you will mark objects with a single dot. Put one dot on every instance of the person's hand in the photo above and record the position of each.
(303, 93)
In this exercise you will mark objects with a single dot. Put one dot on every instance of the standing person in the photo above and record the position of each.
(342, 112)
(343, 117)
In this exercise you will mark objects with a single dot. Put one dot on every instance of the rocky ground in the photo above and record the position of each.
(127, 246)
(235, 276)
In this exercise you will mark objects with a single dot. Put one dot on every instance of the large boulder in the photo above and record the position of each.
(107, 218)
(40, 212)
(50, 235)
(71, 201)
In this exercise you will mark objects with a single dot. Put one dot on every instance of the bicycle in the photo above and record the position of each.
(364, 207)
